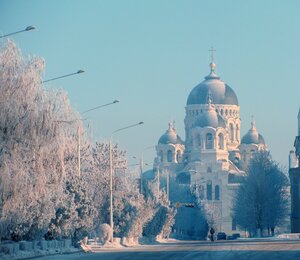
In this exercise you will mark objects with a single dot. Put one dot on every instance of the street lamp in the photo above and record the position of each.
(111, 222)
(67, 75)
(78, 131)
(142, 165)
(28, 28)
(110, 103)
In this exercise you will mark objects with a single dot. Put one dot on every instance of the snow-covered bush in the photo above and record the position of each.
(105, 233)
(162, 221)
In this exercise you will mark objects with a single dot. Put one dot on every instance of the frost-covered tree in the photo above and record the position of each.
(41, 194)
(37, 150)
(261, 202)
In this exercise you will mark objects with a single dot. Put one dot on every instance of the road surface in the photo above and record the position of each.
(238, 249)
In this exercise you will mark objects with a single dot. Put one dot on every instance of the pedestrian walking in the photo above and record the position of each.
(212, 232)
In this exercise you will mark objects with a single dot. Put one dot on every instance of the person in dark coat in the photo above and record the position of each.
(212, 232)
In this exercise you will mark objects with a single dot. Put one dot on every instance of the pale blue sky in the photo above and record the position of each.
(150, 54)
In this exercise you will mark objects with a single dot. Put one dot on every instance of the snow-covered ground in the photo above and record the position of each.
(28, 249)
(234, 249)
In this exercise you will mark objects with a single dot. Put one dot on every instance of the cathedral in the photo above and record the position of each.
(210, 160)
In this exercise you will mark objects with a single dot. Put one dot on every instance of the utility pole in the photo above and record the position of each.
(168, 185)
(78, 150)
(158, 182)
(141, 174)
(111, 187)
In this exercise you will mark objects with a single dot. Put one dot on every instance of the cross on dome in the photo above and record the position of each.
(212, 50)
(253, 126)
(212, 64)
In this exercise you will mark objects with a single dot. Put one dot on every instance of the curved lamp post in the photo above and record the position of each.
(28, 28)
(78, 130)
(64, 76)
(142, 163)
(111, 222)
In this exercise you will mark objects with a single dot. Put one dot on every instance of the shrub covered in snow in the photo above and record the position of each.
(105, 233)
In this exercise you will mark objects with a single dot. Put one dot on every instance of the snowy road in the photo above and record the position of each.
(241, 249)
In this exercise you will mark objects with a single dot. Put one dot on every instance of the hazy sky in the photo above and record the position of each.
(150, 54)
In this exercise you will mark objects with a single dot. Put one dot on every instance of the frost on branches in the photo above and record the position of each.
(41, 192)
(37, 147)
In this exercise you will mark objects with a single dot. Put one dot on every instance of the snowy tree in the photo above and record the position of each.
(41, 193)
(37, 150)
(261, 202)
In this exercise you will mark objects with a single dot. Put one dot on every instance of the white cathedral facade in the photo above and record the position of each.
(212, 158)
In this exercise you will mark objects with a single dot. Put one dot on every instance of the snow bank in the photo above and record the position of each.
(26, 249)
(289, 236)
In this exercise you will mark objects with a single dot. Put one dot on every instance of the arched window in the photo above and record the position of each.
(198, 139)
(217, 192)
(222, 112)
(201, 191)
(231, 129)
(169, 156)
(161, 156)
(209, 144)
(209, 190)
(221, 141)
(237, 130)
(178, 156)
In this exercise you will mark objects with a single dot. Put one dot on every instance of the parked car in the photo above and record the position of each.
(236, 235)
(221, 236)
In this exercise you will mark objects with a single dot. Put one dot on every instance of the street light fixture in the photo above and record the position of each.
(110, 103)
(28, 28)
(67, 75)
(78, 131)
(111, 222)
(142, 165)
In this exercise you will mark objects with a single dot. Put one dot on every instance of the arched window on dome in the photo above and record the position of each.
(169, 156)
(237, 130)
(226, 112)
(209, 142)
(221, 141)
(230, 112)
(209, 190)
(161, 156)
(231, 130)
(217, 192)
(178, 156)
(222, 112)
